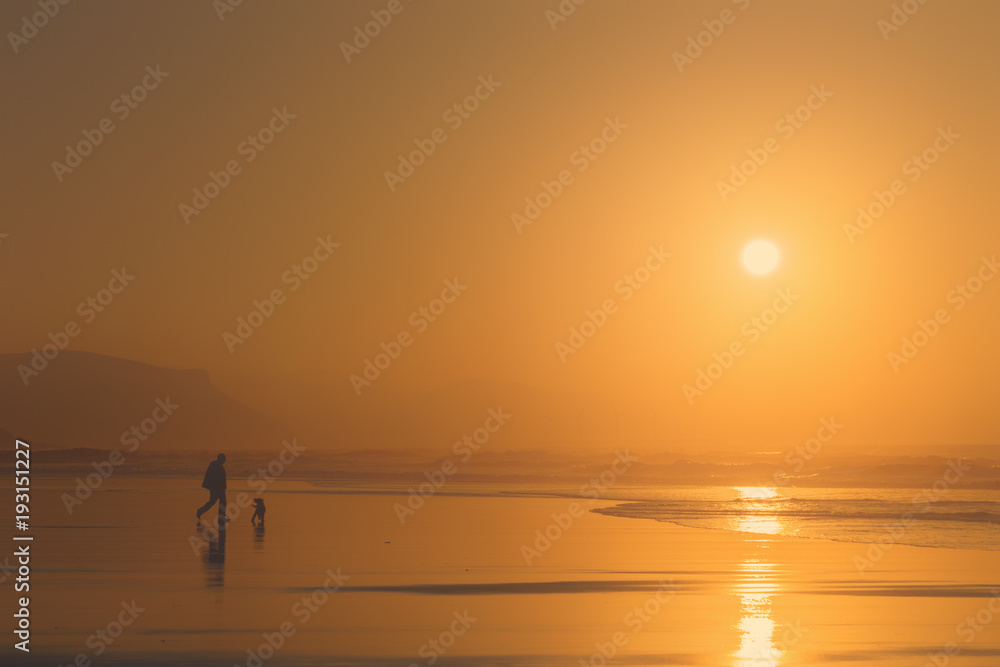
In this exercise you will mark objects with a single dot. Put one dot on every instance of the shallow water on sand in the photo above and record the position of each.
(453, 584)
(948, 518)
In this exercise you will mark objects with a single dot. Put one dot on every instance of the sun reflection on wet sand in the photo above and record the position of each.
(756, 625)
(755, 587)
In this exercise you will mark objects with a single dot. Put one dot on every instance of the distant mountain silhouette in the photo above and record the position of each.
(89, 400)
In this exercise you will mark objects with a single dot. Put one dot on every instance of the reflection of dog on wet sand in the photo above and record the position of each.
(259, 512)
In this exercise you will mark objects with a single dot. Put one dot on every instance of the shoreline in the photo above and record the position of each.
(456, 554)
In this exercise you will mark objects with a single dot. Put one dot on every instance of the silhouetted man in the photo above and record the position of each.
(215, 482)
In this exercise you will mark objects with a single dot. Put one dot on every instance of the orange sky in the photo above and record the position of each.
(669, 138)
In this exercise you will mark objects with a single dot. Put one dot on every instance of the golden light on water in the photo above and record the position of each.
(758, 524)
(756, 584)
(755, 492)
(754, 521)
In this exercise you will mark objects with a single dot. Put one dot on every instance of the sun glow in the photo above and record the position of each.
(760, 257)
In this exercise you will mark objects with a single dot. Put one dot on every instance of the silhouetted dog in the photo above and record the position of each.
(259, 512)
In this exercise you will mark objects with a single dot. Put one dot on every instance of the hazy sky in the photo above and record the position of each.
(669, 130)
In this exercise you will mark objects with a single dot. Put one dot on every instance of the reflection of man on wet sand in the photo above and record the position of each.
(215, 482)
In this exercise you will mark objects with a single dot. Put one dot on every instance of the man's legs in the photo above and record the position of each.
(222, 506)
(212, 499)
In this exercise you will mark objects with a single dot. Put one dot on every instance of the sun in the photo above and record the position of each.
(760, 257)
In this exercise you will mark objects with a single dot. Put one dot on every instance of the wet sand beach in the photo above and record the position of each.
(453, 586)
